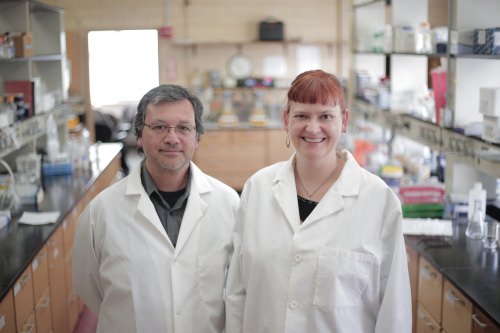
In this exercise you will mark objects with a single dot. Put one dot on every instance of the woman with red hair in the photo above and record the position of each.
(318, 243)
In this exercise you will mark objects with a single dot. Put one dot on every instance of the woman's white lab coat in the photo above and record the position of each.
(127, 271)
(344, 270)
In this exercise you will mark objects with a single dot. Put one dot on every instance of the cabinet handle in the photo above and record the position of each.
(427, 273)
(451, 298)
(425, 320)
(44, 304)
(28, 328)
(479, 323)
(25, 279)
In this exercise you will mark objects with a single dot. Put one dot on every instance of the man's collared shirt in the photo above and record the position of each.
(170, 206)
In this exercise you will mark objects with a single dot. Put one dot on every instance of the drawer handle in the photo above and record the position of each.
(451, 298)
(25, 279)
(425, 320)
(44, 304)
(28, 328)
(426, 272)
(478, 322)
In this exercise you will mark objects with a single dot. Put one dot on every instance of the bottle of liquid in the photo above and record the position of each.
(476, 193)
(475, 227)
(8, 45)
(52, 139)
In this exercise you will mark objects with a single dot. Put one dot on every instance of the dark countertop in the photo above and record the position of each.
(20, 243)
(464, 262)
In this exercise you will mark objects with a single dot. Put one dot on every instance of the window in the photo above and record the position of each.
(123, 65)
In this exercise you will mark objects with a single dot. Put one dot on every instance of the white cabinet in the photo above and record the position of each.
(47, 67)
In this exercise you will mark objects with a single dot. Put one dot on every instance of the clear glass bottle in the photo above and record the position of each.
(475, 227)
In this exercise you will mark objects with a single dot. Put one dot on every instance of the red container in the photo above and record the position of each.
(439, 78)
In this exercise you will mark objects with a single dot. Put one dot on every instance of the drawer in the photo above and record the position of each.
(68, 273)
(29, 326)
(73, 310)
(40, 268)
(457, 310)
(58, 306)
(68, 227)
(430, 289)
(23, 297)
(412, 257)
(424, 322)
(482, 323)
(7, 316)
(43, 313)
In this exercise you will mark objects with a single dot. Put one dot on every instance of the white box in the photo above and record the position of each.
(489, 101)
(491, 129)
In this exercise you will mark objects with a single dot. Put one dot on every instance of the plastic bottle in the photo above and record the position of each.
(52, 139)
(477, 193)
(8, 46)
(475, 227)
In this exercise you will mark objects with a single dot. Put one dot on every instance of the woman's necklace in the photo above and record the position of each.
(310, 195)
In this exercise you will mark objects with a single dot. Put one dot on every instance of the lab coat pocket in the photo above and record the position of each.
(212, 276)
(342, 278)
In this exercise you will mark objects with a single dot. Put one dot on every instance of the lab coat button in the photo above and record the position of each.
(293, 305)
(298, 258)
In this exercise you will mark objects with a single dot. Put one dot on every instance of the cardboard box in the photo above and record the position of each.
(23, 45)
(487, 41)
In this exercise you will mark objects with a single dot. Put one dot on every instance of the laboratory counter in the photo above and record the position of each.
(472, 269)
(464, 262)
(20, 243)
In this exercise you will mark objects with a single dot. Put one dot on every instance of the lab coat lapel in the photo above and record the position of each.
(144, 205)
(330, 204)
(346, 185)
(285, 193)
(195, 209)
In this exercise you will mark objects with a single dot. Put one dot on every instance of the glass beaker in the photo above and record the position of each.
(475, 227)
(29, 168)
(491, 234)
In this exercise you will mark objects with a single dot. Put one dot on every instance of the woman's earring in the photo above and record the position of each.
(287, 141)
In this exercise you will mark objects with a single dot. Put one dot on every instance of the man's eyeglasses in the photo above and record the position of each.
(160, 129)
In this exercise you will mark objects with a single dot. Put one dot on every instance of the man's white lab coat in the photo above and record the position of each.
(343, 270)
(127, 271)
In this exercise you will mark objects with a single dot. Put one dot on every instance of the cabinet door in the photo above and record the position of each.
(57, 283)
(277, 147)
(457, 310)
(43, 315)
(233, 155)
(430, 289)
(412, 256)
(424, 322)
(7, 316)
(23, 297)
(73, 309)
(482, 323)
(29, 326)
(40, 268)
